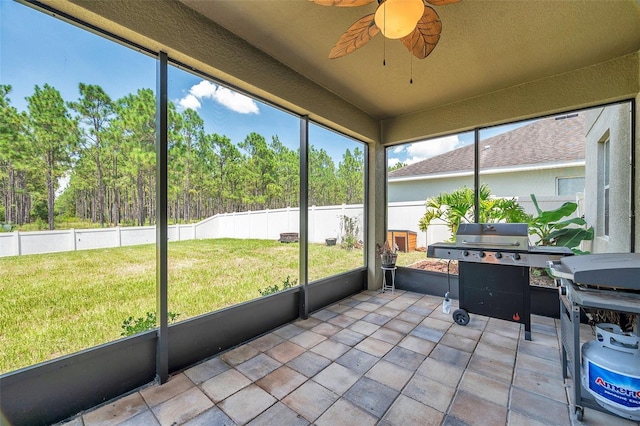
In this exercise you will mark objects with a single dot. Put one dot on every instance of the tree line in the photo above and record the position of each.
(104, 151)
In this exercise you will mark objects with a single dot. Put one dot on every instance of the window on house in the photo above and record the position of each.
(606, 171)
(570, 186)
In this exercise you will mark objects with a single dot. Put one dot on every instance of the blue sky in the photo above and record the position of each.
(36, 48)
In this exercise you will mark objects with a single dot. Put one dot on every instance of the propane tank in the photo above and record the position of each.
(611, 370)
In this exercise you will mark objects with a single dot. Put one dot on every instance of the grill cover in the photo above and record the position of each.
(620, 270)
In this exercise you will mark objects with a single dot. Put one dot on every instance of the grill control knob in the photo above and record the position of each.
(498, 255)
(482, 254)
(516, 256)
(465, 253)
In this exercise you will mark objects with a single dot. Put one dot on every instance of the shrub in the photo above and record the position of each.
(140, 324)
(275, 288)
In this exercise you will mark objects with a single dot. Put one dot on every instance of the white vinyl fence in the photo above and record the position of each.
(324, 222)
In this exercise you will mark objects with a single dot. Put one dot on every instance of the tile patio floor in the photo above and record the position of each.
(386, 359)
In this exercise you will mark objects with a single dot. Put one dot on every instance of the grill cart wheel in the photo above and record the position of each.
(461, 317)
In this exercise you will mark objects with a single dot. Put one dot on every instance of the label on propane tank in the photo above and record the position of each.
(618, 388)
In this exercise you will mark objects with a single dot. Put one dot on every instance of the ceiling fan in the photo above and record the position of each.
(416, 24)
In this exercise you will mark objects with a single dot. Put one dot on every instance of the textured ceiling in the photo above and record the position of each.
(485, 46)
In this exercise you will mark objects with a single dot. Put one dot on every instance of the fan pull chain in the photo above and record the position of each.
(384, 52)
(411, 65)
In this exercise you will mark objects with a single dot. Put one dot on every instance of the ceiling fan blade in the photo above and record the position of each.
(343, 3)
(441, 2)
(425, 36)
(355, 37)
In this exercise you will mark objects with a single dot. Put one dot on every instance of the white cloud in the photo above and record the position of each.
(398, 149)
(206, 90)
(392, 162)
(419, 151)
(236, 101)
(189, 101)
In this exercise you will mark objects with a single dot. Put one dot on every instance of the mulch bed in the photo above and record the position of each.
(440, 265)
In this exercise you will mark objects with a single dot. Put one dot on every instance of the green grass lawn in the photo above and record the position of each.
(58, 303)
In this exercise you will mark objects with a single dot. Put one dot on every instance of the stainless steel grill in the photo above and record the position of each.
(493, 270)
(609, 281)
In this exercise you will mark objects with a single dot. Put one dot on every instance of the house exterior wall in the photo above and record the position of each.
(515, 184)
(613, 123)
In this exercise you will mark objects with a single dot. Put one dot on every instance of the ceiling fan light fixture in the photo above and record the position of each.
(398, 18)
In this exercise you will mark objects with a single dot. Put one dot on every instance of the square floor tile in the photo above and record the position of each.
(387, 335)
(418, 345)
(376, 318)
(363, 327)
(371, 396)
(308, 323)
(266, 342)
(213, 416)
(429, 392)
(206, 370)
(247, 404)
(410, 317)
(336, 378)
(310, 400)
(309, 363)
(356, 313)
(225, 384)
(258, 367)
(405, 358)
(504, 355)
(539, 365)
(407, 411)
(494, 339)
(307, 339)
(348, 337)
(324, 314)
(459, 342)
(239, 355)
(342, 321)
(154, 395)
(436, 324)
(145, 418)
(182, 407)
(390, 374)
(281, 382)
(330, 349)
(491, 368)
(427, 333)
(542, 384)
(374, 347)
(450, 355)
(540, 351)
(357, 361)
(117, 411)
(285, 351)
(400, 326)
(472, 409)
(345, 413)
(530, 405)
(441, 372)
(485, 387)
(288, 331)
(278, 414)
(338, 308)
(367, 306)
(326, 329)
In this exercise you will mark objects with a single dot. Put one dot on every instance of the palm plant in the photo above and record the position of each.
(457, 207)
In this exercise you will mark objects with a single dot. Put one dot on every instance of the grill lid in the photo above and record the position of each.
(508, 236)
(621, 270)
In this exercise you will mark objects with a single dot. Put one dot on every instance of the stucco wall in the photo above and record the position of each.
(613, 123)
(517, 184)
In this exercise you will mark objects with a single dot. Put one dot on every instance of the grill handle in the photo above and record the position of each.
(556, 272)
(484, 243)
